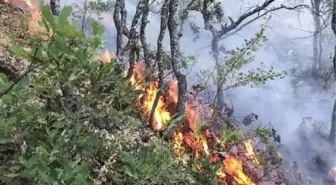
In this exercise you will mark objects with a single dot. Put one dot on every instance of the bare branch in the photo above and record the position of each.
(258, 9)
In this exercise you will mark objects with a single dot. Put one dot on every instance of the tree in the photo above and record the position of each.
(213, 12)
(321, 13)
(332, 135)
(55, 6)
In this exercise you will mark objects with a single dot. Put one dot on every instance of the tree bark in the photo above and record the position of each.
(173, 26)
(55, 6)
(332, 134)
(317, 42)
(163, 27)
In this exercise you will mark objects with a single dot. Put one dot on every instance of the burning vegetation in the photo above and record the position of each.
(194, 144)
(191, 143)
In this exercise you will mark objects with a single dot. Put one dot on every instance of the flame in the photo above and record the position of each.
(106, 58)
(161, 115)
(27, 4)
(33, 24)
(187, 140)
(234, 168)
(249, 151)
(35, 15)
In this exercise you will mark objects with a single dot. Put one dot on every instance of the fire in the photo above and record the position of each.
(33, 25)
(35, 16)
(161, 115)
(26, 4)
(187, 139)
(106, 58)
(249, 151)
(234, 168)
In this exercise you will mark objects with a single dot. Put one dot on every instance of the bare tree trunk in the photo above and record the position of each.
(144, 21)
(219, 92)
(173, 28)
(163, 27)
(317, 43)
(55, 6)
(332, 134)
(134, 37)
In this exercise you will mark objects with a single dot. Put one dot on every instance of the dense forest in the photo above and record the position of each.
(80, 105)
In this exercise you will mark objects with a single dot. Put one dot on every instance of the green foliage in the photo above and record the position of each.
(86, 14)
(101, 7)
(228, 73)
(52, 119)
(147, 167)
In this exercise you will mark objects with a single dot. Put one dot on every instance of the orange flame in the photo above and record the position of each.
(234, 168)
(27, 4)
(106, 58)
(190, 140)
(249, 151)
(161, 115)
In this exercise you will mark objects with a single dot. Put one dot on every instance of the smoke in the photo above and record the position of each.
(277, 102)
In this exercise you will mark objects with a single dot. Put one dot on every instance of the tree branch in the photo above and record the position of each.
(258, 9)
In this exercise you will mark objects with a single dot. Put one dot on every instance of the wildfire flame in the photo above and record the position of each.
(107, 57)
(187, 139)
(35, 15)
(26, 4)
(249, 151)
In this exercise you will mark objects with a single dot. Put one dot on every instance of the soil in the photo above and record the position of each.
(13, 32)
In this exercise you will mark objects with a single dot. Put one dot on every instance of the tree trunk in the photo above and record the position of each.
(317, 45)
(215, 53)
(173, 26)
(55, 6)
(332, 135)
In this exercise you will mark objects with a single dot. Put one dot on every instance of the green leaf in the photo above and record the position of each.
(64, 14)
(41, 150)
(96, 29)
(11, 121)
(47, 15)
(128, 171)
(3, 79)
(7, 99)
(133, 121)
(127, 158)
(18, 51)
(4, 140)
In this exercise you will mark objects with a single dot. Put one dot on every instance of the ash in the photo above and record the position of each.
(309, 155)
